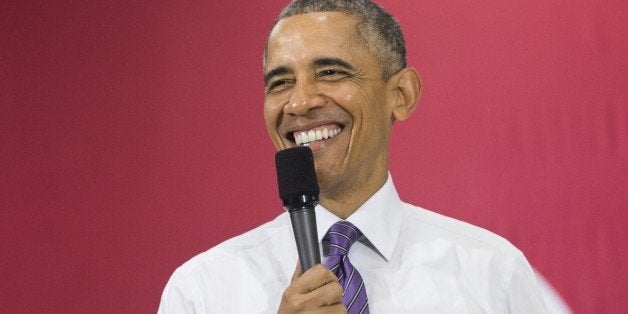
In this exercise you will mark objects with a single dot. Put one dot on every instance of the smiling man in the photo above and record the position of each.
(336, 80)
(320, 77)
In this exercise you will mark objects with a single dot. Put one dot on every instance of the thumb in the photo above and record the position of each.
(297, 272)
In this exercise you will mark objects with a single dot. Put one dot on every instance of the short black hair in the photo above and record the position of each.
(377, 28)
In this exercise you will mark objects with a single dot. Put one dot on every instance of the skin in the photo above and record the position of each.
(319, 74)
(315, 291)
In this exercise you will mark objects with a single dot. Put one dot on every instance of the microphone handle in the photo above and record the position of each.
(304, 226)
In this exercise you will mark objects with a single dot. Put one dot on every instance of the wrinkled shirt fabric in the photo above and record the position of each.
(412, 260)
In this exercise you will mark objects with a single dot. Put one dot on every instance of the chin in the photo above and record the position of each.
(328, 180)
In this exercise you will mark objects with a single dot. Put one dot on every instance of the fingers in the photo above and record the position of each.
(329, 294)
(313, 278)
(333, 309)
(316, 289)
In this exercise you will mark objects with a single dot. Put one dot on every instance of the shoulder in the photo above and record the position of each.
(482, 260)
(456, 247)
(250, 263)
(266, 242)
(426, 224)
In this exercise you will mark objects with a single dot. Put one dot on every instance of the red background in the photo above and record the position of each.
(132, 138)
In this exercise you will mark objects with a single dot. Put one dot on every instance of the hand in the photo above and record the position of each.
(317, 290)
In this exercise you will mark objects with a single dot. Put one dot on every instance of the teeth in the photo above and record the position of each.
(307, 137)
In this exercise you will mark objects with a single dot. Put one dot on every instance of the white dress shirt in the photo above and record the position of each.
(412, 261)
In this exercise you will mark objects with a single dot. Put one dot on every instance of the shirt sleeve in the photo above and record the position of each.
(179, 297)
(523, 295)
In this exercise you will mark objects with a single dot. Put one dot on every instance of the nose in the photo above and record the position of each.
(305, 97)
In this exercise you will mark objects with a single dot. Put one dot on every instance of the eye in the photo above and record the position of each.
(331, 74)
(277, 86)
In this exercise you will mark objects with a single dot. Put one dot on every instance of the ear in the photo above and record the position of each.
(406, 86)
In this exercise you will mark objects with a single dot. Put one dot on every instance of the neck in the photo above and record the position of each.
(343, 204)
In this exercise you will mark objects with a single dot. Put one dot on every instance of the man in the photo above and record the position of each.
(336, 80)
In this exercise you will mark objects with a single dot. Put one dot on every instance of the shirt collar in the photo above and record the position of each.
(377, 218)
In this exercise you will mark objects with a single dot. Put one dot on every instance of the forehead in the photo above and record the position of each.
(311, 35)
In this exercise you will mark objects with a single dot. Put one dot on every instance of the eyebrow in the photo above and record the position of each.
(317, 63)
(322, 62)
(275, 72)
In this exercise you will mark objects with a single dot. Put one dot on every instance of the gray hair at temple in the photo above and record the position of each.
(377, 28)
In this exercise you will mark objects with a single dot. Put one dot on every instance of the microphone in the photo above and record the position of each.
(298, 189)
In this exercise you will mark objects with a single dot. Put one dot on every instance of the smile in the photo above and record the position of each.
(316, 134)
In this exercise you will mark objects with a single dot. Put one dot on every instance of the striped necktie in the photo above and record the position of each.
(341, 236)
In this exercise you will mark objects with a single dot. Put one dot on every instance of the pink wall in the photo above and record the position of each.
(132, 139)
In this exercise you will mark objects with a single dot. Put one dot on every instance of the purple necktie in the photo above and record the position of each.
(341, 236)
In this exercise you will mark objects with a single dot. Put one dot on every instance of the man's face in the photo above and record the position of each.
(321, 81)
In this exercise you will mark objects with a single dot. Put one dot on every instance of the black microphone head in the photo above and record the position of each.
(296, 177)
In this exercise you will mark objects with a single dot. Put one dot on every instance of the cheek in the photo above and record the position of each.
(348, 98)
(271, 119)
(272, 112)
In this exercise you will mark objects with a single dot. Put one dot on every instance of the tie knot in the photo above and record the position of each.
(341, 236)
